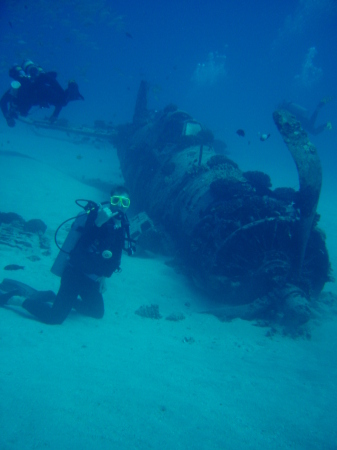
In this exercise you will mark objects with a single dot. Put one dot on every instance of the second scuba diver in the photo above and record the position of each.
(32, 86)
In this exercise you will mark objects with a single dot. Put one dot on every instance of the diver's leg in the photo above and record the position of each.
(91, 303)
(313, 117)
(63, 303)
(43, 296)
(319, 129)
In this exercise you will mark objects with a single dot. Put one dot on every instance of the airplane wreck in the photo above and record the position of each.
(257, 252)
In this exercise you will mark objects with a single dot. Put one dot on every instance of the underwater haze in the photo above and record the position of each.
(133, 383)
(229, 64)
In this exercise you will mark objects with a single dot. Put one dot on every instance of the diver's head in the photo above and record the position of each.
(26, 63)
(120, 199)
(31, 69)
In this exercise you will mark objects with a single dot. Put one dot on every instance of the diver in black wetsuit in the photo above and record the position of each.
(35, 87)
(96, 255)
(308, 122)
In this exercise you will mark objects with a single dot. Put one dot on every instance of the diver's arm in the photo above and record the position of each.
(103, 215)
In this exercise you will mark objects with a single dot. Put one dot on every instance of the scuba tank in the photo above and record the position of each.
(73, 237)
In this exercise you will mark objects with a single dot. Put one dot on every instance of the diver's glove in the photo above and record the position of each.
(103, 215)
(131, 250)
(102, 284)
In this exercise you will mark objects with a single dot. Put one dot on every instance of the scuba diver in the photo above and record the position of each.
(32, 86)
(91, 252)
(302, 115)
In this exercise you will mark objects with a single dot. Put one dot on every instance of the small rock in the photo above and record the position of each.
(151, 312)
(175, 317)
(35, 226)
(34, 258)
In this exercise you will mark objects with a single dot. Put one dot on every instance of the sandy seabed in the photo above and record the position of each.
(127, 382)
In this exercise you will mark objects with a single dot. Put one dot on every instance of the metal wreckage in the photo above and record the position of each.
(256, 251)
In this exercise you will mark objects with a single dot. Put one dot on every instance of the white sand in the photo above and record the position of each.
(126, 382)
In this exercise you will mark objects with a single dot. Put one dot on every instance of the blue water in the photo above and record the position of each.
(108, 47)
(228, 63)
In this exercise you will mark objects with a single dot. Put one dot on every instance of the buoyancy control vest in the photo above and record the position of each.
(99, 249)
(91, 249)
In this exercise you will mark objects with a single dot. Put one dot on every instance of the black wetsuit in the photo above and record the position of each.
(81, 277)
(43, 91)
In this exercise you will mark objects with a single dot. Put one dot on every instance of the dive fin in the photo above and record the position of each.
(22, 289)
(6, 296)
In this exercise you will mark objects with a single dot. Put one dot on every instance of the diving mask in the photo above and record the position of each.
(120, 200)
